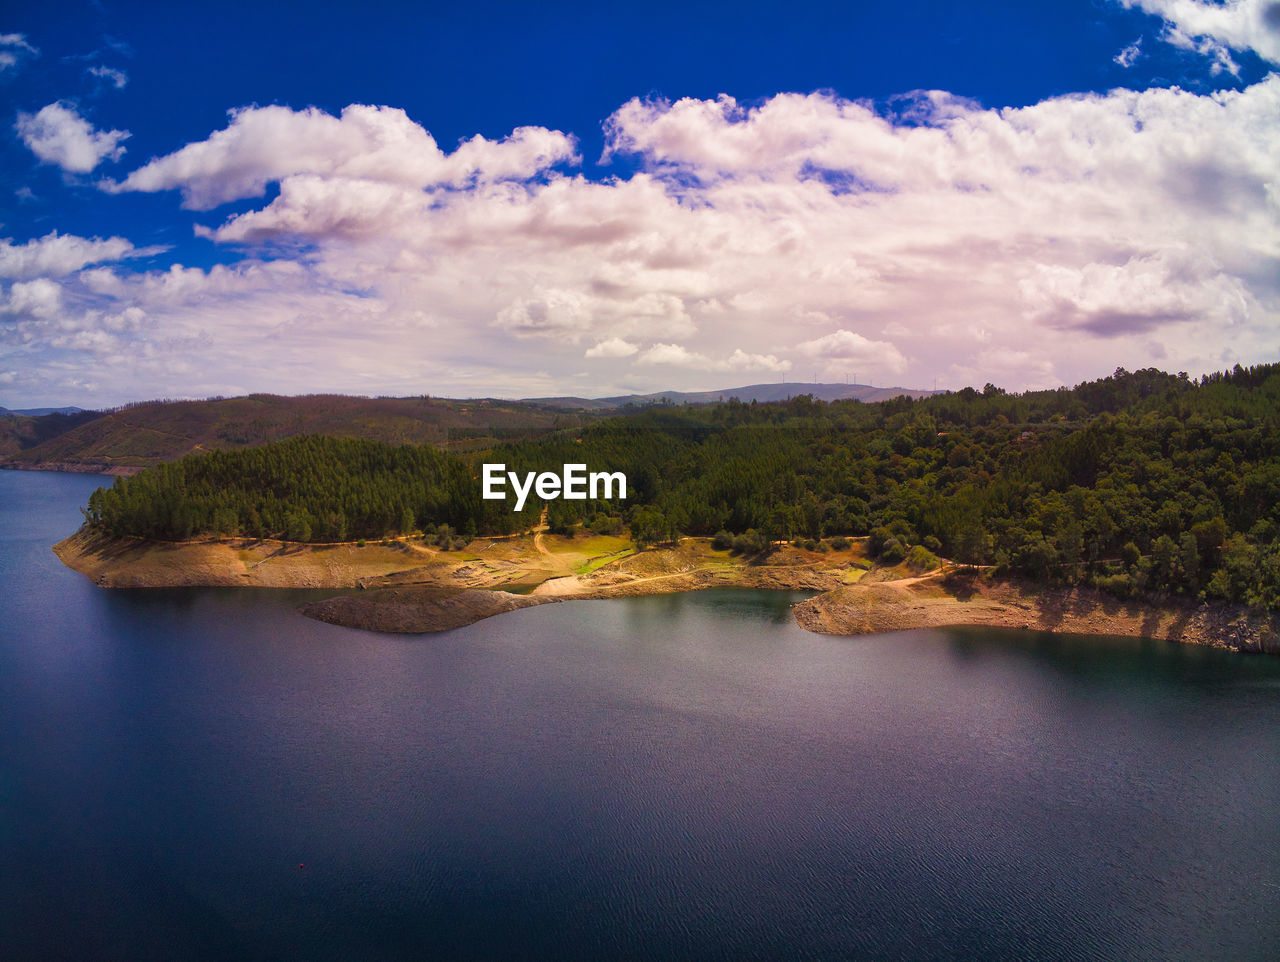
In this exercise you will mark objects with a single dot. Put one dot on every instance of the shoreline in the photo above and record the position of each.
(74, 467)
(425, 609)
(406, 587)
(940, 601)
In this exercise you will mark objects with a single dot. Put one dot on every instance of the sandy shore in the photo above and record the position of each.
(404, 586)
(937, 602)
(135, 563)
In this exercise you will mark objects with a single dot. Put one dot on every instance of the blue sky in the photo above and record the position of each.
(292, 197)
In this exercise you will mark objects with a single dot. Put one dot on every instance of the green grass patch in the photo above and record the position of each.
(592, 546)
(591, 564)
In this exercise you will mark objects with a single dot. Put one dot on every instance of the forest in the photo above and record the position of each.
(1142, 483)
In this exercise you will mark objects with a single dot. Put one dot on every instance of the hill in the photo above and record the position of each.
(762, 393)
(38, 412)
(19, 432)
(128, 439)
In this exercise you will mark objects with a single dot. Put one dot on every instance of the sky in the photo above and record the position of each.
(518, 200)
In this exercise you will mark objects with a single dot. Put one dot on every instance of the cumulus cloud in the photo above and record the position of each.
(1142, 294)
(40, 298)
(843, 345)
(365, 144)
(740, 360)
(13, 48)
(571, 314)
(1210, 28)
(56, 255)
(613, 347)
(932, 236)
(676, 355)
(58, 135)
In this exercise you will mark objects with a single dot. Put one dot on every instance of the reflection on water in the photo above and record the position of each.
(206, 773)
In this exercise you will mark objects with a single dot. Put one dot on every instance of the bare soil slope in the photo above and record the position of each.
(936, 602)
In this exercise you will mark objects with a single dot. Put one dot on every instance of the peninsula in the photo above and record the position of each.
(1142, 503)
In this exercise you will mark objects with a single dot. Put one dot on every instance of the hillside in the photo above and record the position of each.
(126, 440)
(38, 412)
(21, 432)
(132, 438)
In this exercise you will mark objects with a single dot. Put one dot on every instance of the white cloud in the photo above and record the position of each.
(570, 314)
(333, 206)
(1045, 244)
(1142, 294)
(59, 135)
(676, 355)
(1129, 55)
(374, 144)
(1210, 28)
(1214, 50)
(673, 354)
(548, 312)
(56, 255)
(740, 360)
(109, 75)
(40, 298)
(13, 48)
(844, 345)
(16, 41)
(613, 347)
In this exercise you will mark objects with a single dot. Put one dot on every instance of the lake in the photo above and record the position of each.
(206, 774)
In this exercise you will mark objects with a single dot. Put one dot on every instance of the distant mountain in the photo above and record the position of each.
(128, 439)
(762, 393)
(38, 412)
(20, 431)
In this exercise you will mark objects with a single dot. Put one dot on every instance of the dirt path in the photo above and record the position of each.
(537, 534)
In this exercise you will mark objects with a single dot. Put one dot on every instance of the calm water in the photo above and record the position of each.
(203, 774)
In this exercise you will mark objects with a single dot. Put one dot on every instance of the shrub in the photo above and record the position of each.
(750, 542)
(840, 543)
(1121, 586)
(605, 524)
(723, 541)
(880, 538)
(921, 559)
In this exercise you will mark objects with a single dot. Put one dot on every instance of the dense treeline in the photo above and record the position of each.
(1141, 482)
(303, 489)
